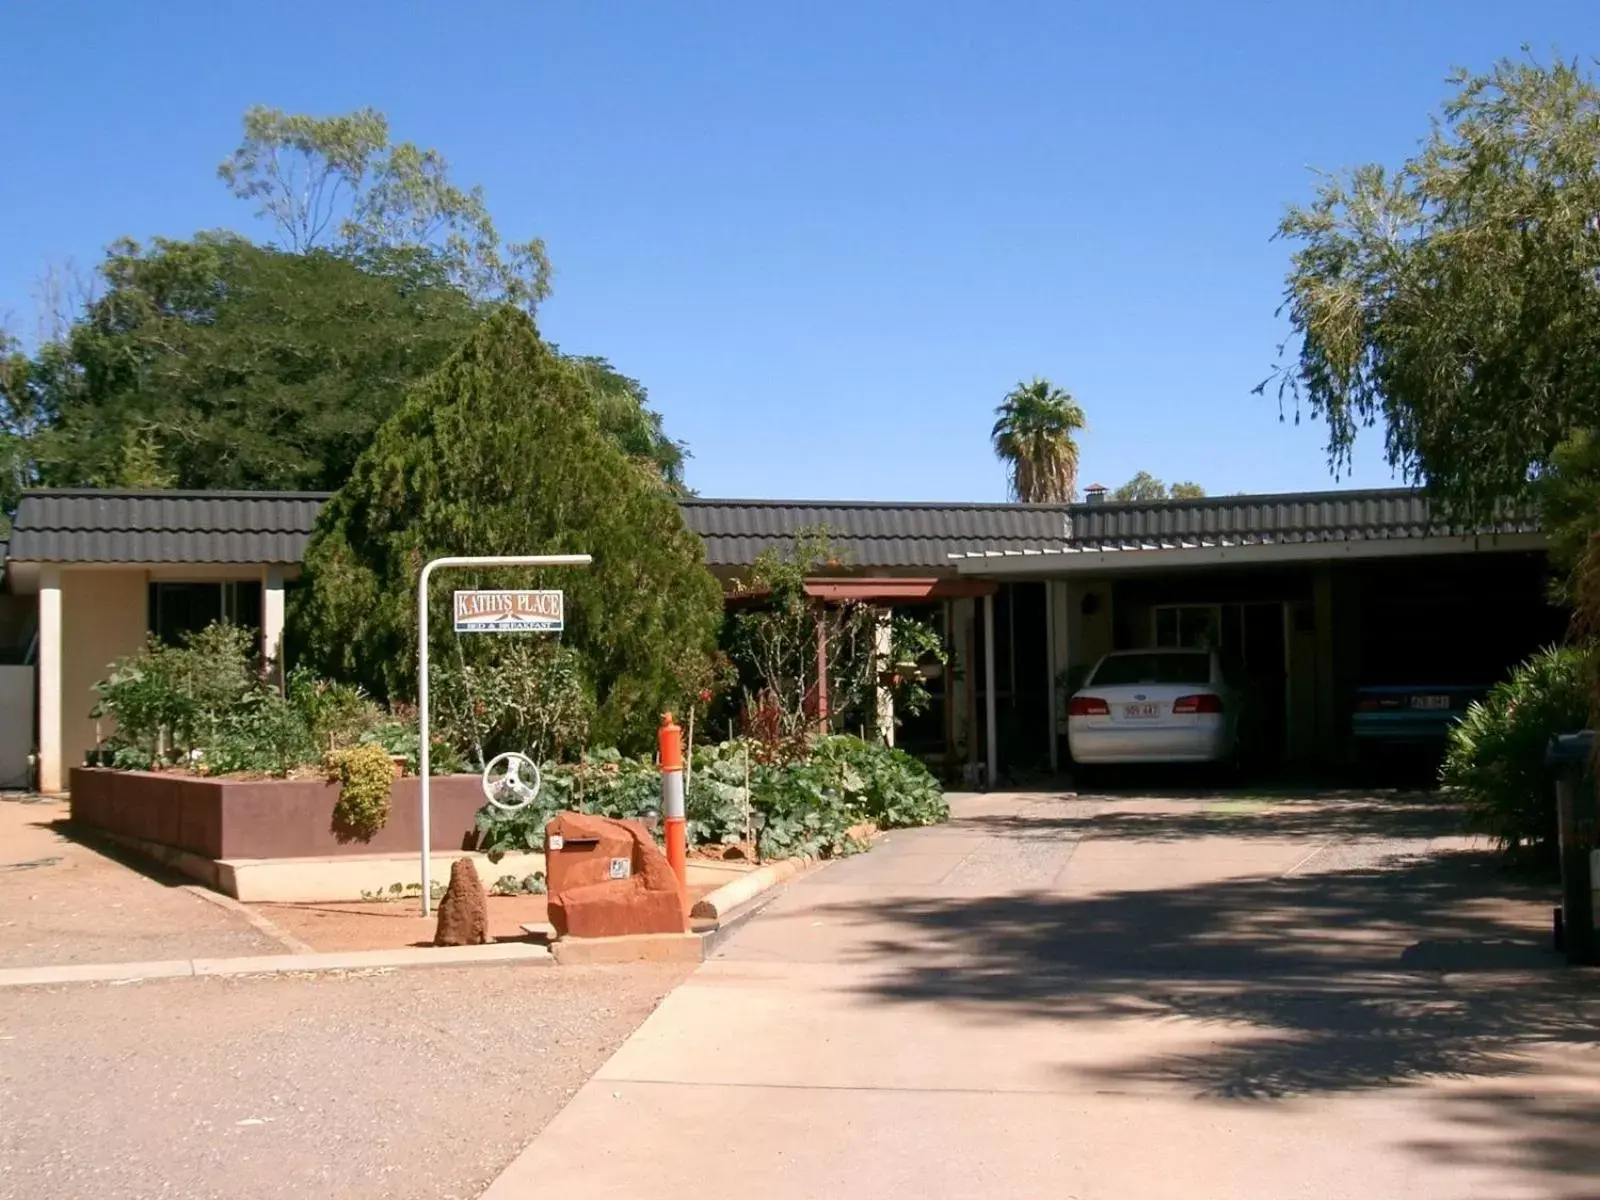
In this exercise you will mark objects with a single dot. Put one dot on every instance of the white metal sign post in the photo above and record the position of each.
(533, 611)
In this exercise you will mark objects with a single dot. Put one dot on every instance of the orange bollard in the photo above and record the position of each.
(670, 742)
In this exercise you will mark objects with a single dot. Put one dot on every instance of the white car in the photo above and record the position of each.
(1154, 706)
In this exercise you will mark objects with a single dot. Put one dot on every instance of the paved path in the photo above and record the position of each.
(62, 902)
(1114, 999)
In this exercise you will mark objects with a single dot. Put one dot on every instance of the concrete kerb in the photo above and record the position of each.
(500, 953)
(725, 909)
(251, 918)
(727, 906)
(717, 905)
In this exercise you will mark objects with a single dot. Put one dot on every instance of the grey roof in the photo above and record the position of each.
(273, 527)
(870, 534)
(82, 526)
(1300, 517)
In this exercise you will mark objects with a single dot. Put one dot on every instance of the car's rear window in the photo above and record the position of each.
(1155, 667)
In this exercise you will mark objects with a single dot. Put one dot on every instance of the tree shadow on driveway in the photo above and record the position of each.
(1389, 961)
(1339, 981)
(1549, 1137)
(1184, 817)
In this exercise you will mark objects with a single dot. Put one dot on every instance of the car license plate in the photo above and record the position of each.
(1430, 702)
(1141, 712)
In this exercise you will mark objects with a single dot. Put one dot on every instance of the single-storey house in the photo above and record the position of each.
(1314, 593)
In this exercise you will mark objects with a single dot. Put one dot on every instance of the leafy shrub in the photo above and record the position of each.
(535, 698)
(206, 706)
(884, 785)
(783, 644)
(261, 733)
(170, 702)
(335, 715)
(804, 810)
(510, 885)
(807, 806)
(719, 798)
(365, 774)
(604, 783)
(1495, 763)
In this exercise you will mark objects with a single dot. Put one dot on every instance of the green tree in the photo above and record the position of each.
(218, 363)
(499, 451)
(1145, 488)
(339, 183)
(621, 405)
(1034, 434)
(21, 418)
(1142, 488)
(1454, 300)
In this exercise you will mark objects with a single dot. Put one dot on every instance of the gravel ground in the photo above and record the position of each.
(63, 902)
(422, 1083)
(393, 924)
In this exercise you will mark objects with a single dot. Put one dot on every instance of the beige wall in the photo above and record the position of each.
(102, 618)
(1089, 635)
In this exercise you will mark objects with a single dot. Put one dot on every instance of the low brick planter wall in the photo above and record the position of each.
(269, 818)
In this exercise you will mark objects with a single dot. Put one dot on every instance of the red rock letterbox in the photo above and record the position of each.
(607, 878)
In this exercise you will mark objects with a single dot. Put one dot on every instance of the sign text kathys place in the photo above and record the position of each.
(509, 611)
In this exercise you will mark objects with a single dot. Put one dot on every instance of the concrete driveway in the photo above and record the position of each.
(1115, 998)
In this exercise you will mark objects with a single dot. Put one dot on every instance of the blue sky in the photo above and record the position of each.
(827, 236)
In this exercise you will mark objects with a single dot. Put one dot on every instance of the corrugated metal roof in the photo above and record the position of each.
(1295, 518)
(163, 527)
(273, 527)
(869, 533)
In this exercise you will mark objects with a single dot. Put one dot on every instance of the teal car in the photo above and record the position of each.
(1410, 715)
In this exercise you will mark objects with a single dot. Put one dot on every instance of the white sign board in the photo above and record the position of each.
(509, 612)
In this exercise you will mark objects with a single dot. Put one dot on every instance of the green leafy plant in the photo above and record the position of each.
(804, 811)
(176, 704)
(884, 785)
(803, 806)
(783, 642)
(1495, 763)
(603, 783)
(510, 885)
(261, 733)
(718, 800)
(205, 706)
(336, 715)
(535, 699)
(365, 774)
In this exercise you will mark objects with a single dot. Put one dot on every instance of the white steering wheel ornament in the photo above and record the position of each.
(506, 781)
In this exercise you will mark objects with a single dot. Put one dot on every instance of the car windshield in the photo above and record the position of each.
(1155, 667)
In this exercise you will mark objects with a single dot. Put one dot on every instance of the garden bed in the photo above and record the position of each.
(265, 818)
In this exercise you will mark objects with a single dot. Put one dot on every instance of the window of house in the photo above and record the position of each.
(179, 609)
(1188, 627)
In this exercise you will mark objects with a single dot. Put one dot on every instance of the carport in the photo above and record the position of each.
(1315, 594)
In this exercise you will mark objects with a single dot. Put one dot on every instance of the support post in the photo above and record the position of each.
(424, 745)
(822, 669)
(670, 743)
(991, 724)
(50, 767)
(882, 651)
(1051, 725)
(272, 623)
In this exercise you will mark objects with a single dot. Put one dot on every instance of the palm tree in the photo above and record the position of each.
(1033, 436)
